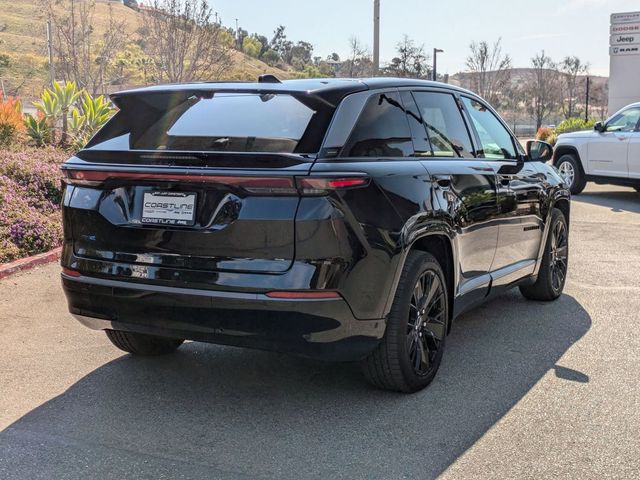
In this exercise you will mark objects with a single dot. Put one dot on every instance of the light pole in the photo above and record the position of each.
(376, 37)
(436, 51)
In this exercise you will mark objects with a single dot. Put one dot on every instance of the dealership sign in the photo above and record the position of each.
(625, 28)
(626, 50)
(624, 60)
(628, 39)
(631, 17)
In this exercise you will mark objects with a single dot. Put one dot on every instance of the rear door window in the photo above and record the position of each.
(444, 124)
(381, 130)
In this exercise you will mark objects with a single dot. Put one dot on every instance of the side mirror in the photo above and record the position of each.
(539, 151)
(599, 127)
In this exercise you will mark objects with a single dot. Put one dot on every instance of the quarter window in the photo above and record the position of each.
(626, 121)
(443, 122)
(382, 130)
(495, 138)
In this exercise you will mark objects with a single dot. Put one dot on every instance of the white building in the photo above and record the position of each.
(624, 53)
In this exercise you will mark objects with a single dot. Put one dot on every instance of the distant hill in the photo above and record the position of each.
(23, 40)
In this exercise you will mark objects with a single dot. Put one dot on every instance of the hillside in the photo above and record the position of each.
(23, 40)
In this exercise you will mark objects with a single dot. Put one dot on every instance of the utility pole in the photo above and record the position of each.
(436, 51)
(376, 37)
(50, 52)
(238, 36)
(586, 109)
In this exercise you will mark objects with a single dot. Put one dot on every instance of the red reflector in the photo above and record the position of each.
(304, 295)
(70, 273)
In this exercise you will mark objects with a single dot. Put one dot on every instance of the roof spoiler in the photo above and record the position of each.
(268, 78)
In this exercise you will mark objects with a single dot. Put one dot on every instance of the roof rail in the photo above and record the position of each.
(268, 78)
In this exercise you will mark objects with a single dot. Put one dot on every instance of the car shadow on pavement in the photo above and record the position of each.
(617, 201)
(221, 412)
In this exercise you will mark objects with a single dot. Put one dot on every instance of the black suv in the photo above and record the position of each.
(348, 220)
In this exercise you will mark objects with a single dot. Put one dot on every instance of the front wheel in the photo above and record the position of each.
(409, 355)
(553, 269)
(141, 344)
(571, 173)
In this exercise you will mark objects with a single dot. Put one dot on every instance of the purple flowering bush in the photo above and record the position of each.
(30, 196)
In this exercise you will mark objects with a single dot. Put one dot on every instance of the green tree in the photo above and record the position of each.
(571, 69)
(271, 57)
(251, 46)
(410, 61)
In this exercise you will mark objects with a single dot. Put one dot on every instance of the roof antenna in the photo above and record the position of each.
(268, 78)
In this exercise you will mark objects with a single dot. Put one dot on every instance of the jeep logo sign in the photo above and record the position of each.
(625, 39)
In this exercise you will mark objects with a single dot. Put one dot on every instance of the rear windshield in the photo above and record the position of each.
(222, 122)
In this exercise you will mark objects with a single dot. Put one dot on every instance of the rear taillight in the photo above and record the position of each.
(257, 185)
(323, 185)
(306, 186)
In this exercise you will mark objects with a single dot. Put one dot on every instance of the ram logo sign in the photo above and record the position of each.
(630, 50)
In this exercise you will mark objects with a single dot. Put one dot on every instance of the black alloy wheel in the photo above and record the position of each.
(426, 325)
(555, 262)
(408, 357)
(559, 254)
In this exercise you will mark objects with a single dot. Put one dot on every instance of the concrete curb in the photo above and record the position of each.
(30, 262)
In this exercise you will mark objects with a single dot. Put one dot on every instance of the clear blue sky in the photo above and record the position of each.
(561, 27)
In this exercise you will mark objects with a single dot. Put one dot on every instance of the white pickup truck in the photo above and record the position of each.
(609, 154)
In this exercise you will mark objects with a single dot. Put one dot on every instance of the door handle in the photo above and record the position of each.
(442, 181)
(505, 181)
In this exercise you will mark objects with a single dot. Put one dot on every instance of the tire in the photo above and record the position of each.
(569, 166)
(141, 344)
(553, 270)
(408, 357)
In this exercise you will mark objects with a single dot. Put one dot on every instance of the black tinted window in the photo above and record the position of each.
(421, 145)
(381, 131)
(444, 124)
(495, 139)
(221, 122)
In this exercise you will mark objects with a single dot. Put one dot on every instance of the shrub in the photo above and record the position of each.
(574, 125)
(80, 115)
(88, 118)
(30, 195)
(10, 119)
(38, 129)
(544, 133)
(37, 172)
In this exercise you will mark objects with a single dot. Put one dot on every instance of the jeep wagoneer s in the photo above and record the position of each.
(346, 220)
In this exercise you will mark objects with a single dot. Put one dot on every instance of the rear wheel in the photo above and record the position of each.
(141, 344)
(553, 270)
(571, 172)
(410, 353)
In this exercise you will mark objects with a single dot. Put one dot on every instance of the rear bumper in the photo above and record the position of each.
(325, 328)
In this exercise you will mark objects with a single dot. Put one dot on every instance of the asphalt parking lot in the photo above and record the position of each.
(526, 389)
